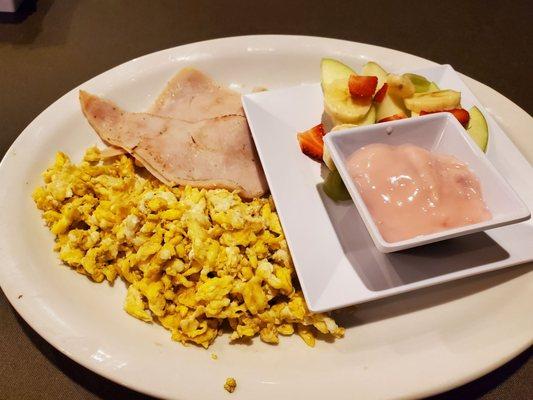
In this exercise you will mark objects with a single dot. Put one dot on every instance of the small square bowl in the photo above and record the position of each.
(440, 133)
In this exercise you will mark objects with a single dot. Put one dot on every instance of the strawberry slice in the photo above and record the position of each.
(380, 94)
(392, 117)
(461, 114)
(362, 86)
(311, 142)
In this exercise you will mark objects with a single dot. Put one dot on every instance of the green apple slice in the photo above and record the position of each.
(433, 87)
(374, 69)
(421, 84)
(434, 101)
(333, 70)
(334, 187)
(478, 128)
(390, 106)
(369, 118)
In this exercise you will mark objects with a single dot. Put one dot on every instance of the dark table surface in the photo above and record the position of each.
(49, 47)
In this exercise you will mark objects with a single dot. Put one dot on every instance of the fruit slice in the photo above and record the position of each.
(433, 87)
(462, 115)
(391, 106)
(420, 83)
(362, 86)
(334, 186)
(343, 127)
(341, 106)
(400, 85)
(326, 157)
(368, 119)
(338, 102)
(434, 101)
(374, 69)
(380, 94)
(332, 70)
(478, 128)
(311, 142)
(394, 117)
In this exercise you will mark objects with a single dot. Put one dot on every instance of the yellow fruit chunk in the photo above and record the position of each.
(434, 101)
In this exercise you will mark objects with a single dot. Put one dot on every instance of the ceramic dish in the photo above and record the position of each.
(421, 343)
(439, 133)
(336, 259)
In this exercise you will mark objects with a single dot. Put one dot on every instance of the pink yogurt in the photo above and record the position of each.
(410, 191)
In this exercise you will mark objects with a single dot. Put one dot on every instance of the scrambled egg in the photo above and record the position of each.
(195, 261)
(230, 385)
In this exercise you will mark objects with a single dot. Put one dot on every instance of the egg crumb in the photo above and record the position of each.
(230, 385)
(195, 261)
(214, 356)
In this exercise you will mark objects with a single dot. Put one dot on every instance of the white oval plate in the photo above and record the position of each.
(412, 345)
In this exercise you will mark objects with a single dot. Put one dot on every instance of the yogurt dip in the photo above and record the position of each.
(410, 191)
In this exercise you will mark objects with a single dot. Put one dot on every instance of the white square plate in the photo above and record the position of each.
(439, 133)
(335, 258)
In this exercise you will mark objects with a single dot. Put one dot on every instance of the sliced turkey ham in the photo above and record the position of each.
(193, 96)
(211, 153)
(112, 151)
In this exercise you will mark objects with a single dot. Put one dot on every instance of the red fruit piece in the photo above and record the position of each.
(380, 94)
(362, 86)
(392, 118)
(311, 142)
(461, 114)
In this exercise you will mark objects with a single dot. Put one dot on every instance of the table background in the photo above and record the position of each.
(49, 47)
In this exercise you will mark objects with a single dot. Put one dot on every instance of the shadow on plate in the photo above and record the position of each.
(420, 299)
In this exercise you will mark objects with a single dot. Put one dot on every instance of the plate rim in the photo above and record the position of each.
(24, 312)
